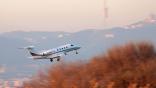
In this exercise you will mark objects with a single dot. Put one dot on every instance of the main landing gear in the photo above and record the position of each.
(58, 59)
(51, 59)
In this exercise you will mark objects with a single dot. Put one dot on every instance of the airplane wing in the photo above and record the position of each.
(56, 55)
(38, 57)
(59, 55)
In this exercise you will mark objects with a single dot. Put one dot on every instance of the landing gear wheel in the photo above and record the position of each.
(77, 52)
(58, 59)
(51, 60)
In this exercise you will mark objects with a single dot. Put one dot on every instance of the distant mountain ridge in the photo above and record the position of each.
(93, 42)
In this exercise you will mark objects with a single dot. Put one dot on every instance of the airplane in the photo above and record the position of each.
(52, 54)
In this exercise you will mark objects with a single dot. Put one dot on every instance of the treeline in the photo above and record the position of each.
(130, 66)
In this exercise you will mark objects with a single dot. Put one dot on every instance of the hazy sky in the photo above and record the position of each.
(70, 15)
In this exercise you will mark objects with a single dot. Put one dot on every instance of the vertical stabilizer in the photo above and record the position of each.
(31, 50)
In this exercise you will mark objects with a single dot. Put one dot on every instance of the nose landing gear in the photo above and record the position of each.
(77, 52)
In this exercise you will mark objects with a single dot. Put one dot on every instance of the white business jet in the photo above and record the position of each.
(52, 54)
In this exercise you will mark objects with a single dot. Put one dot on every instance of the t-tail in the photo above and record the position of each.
(31, 50)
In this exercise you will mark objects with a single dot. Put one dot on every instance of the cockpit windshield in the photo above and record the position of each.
(72, 45)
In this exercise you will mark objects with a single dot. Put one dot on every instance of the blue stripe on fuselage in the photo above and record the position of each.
(67, 50)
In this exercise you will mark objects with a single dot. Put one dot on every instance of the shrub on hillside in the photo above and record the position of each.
(129, 66)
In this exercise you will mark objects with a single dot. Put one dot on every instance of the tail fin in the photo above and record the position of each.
(31, 50)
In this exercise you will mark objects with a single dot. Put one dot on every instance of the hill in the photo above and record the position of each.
(15, 62)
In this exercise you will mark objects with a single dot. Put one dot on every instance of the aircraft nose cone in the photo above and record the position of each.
(78, 47)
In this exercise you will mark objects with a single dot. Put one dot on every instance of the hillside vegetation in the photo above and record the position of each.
(130, 66)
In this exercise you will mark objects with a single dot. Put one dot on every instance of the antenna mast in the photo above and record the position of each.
(106, 15)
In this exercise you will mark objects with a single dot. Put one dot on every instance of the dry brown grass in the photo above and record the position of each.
(129, 66)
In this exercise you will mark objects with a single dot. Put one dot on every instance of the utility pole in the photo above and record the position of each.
(105, 9)
(105, 13)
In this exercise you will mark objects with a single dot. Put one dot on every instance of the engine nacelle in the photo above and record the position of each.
(46, 53)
